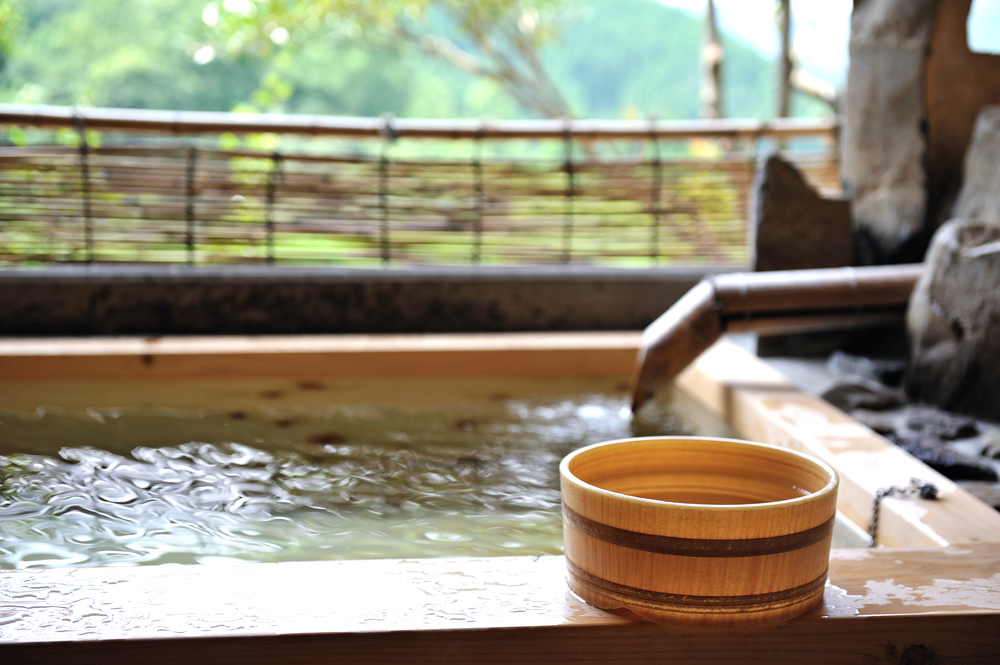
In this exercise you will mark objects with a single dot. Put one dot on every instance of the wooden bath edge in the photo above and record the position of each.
(880, 606)
(932, 595)
(159, 358)
(762, 405)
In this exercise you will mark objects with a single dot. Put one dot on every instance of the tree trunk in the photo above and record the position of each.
(711, 67)
(784, 58)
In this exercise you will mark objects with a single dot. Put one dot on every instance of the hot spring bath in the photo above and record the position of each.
(499, 608)
(189, 471)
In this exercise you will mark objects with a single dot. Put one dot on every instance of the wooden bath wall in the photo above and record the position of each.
(931, 595)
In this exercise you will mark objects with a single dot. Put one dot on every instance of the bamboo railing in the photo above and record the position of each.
(183, 187)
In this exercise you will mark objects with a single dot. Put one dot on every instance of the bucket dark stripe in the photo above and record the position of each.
(697, 547)
(776, 598)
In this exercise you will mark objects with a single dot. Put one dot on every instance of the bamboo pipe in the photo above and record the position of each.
(768, 303)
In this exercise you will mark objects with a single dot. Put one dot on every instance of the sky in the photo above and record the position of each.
(984, 26)
(820, 29)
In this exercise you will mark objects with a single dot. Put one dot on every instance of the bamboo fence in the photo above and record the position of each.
(155, 186)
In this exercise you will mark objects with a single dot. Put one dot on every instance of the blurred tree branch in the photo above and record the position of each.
(791, 74)
(495, 39)
(712, 54)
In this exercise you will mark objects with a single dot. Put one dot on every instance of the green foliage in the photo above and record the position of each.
(9, 20)
(494, 39)
(127, 53)
(629, 57)
(608, 58)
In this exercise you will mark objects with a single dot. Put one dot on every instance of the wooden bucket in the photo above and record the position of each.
(698, 530)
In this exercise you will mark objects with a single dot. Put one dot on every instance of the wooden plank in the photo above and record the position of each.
(135, 358)
(883, 606)
(763, 405)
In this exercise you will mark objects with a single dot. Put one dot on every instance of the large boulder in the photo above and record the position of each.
(884, 141)
(979, 198)
(958, 83)
(794, 227)
(954, 321)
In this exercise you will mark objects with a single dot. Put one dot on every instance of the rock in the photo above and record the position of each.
(990, 445)
(943, 425)
(958, 83)
(874, 420)
(943, 459)
(886, 372)
(988, 493)
(794, 227)
(862, 394)
(884, 143)
(979, 198)
(954, 322)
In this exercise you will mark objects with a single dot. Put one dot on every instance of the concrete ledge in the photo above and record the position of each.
(148, 300)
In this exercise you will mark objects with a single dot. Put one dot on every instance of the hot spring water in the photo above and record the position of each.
(278, 470)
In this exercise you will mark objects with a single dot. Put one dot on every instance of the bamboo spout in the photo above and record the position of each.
(777, 302)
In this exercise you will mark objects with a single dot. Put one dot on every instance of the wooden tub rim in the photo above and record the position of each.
(817, 496)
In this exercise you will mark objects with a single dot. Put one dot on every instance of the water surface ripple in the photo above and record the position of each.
(131, 486)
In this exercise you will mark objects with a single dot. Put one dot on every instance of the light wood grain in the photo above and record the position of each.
(877, 605)
(881, 606)
(763, 406)
(136, 358)
(687, 530)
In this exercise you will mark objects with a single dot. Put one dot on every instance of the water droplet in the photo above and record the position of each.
(444, 536)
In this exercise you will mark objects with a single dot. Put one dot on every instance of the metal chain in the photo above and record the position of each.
(917, 488)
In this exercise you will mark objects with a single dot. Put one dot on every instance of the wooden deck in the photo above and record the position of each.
(933, 597)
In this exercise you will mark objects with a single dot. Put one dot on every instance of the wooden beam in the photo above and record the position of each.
(764, 406)
(880, 606)
(136, 358)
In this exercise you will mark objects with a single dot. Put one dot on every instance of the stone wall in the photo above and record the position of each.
(164, 300)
